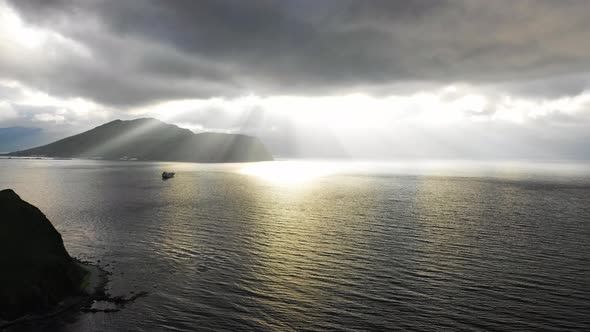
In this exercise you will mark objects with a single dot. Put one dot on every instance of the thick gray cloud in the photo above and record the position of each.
(145, 51)
(527, 59)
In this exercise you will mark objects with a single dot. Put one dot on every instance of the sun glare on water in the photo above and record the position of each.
(288, 172)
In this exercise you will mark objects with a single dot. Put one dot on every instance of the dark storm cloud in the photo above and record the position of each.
(144, 51)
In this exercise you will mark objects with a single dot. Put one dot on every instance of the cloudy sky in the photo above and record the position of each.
(393, 79)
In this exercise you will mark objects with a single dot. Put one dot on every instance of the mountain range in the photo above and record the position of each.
(151, 139)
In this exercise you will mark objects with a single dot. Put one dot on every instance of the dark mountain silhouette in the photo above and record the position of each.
(37, 271)
(151, 139)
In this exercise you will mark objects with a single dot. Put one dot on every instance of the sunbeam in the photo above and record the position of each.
(289, 172)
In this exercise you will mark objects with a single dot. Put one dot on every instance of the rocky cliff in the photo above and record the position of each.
(36, 270)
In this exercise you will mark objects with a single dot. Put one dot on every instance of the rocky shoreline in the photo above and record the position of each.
(93, 284)
(40, 280)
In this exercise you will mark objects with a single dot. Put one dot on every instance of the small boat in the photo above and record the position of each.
(168, 175)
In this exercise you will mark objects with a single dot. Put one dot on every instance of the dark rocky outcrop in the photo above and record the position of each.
(36, 270)
(151, 139)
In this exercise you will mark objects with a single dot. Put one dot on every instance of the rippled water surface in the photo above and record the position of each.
(320, 246)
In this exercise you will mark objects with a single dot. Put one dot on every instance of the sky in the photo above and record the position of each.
(463, 79)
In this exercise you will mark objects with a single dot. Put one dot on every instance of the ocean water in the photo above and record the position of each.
(289, 245)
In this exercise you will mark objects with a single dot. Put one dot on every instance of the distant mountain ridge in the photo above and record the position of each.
(13, 138)
(151, 139)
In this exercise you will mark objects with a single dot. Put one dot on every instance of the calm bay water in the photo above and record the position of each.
(324, 246)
